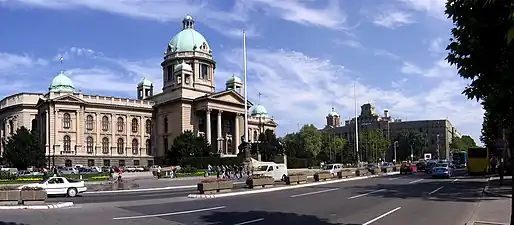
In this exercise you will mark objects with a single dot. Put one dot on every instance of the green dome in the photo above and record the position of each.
(145, 82)
(188, 39)
(234, 79)
(259, 111)
(333, 113)
(62, 83)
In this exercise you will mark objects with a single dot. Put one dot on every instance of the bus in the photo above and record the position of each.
(459, 158)
(477, 160)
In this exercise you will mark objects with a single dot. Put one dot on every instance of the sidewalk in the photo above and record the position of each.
(495, 206)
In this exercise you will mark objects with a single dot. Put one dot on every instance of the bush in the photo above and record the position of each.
(32, 189)
(188, 170)
(293, 162)
(7, 176)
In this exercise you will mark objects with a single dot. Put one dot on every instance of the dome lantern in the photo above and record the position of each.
(259, 111)
(333, 113)
(62, 83)
(188, 40)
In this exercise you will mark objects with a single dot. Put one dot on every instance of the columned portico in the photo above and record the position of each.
(227, 131)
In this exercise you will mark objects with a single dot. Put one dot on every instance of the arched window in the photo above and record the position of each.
(89, 144)
(66, 142)
(34, 125)
(255, 136)
(89, 122)
(165, 124)
(68, 163)
(105, 123)
(148, 126)
(135, 146)
(120, 145)
(11, 127)
(105, 145)
(165, 143)
(135, 125)
(120, 124)
(148, 147)
(66, 121)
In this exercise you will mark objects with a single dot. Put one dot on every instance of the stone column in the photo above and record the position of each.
(142, 141)
(250, 135)
(57, 123)
(126, 129)
(219, 131)
(47, 131)
(77, 132)
(98, 128)
(113, 129)
(237, 136)
(208, 125)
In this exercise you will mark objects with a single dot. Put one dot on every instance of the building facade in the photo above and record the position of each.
(76, 128)
(439, 133)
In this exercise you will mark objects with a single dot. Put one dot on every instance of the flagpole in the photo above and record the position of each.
(245, 87)
(356, 128)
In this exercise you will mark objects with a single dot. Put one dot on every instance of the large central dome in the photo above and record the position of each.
(188, 39)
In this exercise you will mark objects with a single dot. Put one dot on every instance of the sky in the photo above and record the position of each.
(304, 56)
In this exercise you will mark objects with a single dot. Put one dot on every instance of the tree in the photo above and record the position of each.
(410, 142)
(332, 147)
(373, 145)
(311, 139)
(268, 146)
(489, 133)
(187, 144)
(462, 143)
(23, 149)
(479, 49)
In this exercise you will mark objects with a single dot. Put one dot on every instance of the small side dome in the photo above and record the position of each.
(234, 79)
(259, 111)
(333, 113)
(145, 82)
(183, 66)
(62, 83)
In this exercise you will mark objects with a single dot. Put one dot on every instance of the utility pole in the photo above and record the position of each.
(395, 143)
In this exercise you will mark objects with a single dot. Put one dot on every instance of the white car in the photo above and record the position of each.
(60, 186)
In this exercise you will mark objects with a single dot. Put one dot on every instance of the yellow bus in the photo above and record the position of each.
(477, 161)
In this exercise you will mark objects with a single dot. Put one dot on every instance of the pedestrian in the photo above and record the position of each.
(217, 172)
(158, 172)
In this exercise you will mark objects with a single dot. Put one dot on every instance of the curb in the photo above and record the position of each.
(200, 196)
(491, 194)
(50, 206)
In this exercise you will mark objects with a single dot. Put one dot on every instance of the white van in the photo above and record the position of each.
(275, 170)
(332, 168)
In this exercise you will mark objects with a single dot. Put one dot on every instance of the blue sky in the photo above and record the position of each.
(303, 55)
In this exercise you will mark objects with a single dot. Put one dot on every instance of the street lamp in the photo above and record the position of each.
(437, 141)
(394, 147)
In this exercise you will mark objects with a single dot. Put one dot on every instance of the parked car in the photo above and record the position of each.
(60, 186)
(430, 165)
(332, 168)
(443, 170)
(69, 170)
(408, 168)
(389, 165)
(421, 166)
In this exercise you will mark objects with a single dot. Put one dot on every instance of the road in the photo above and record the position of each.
(405, 199)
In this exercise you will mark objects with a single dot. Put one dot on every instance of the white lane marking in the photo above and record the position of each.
(394, 178)
(416, 181)
(453, 181)
(314, 192)
(436, 190)
(146, 189)
(362, 195)
(250, 221)
(168, 214)
(381, 216)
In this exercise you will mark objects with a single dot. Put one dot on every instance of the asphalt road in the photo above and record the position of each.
(392, 200)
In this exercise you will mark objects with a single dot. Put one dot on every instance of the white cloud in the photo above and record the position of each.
(349, 43)
(301, 89)
(392, 18)
(76, 52)
(10, 63)
(331, 16)
(439, 69)
(387, 54)
(436, 46)
(434, 8)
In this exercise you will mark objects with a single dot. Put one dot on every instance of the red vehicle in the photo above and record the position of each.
(408, 168)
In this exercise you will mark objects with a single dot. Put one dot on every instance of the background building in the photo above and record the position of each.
(439, 133)
(83, 129)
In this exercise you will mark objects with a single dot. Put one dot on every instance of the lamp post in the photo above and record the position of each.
(394, 147)
(437, 141)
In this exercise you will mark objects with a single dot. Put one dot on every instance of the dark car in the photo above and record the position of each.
(421, 166)
(407, 168)
(429, 167)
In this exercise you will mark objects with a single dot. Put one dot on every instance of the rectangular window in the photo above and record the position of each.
(204, 71)
(136, 162)
(107, 162)
(90, 162)
(150, 163)
(170, 73)
(121, 162)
